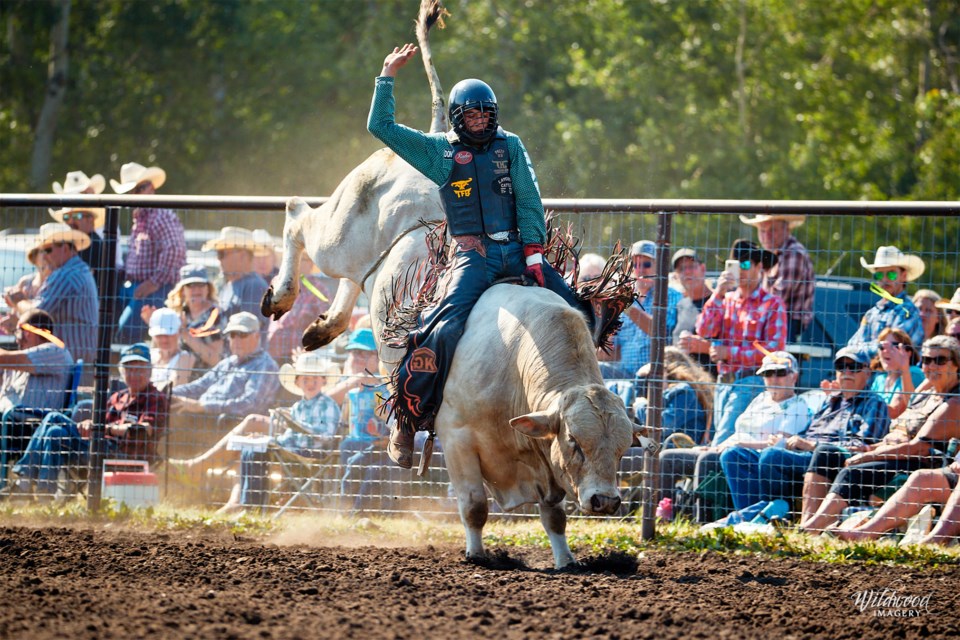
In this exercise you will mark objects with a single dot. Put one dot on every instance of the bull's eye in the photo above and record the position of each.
(577, 451)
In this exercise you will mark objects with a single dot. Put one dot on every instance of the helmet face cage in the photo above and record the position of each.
(473, 94)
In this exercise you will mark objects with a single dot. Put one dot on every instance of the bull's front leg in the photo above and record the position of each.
(335, 321)
(285, 287)
(554, 521)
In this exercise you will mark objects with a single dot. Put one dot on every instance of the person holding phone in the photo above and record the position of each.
(745, 322)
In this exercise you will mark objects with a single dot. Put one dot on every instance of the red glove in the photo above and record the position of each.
(534, 255)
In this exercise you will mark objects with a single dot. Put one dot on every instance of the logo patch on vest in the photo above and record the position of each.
(462, 188)
(447, 154)
(499, 152)
(463, 157)
(423, 360)
(503, 186)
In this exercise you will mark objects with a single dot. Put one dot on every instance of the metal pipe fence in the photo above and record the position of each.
(348, 471)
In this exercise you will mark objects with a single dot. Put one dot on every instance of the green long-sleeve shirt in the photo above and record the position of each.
(432, 155)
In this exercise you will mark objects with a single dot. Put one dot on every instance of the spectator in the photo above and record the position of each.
(687, 396)
(157, 251)
(283, 335)
(243, 383)
(171, 364)
(195, 298)
(918, 438)
(69, 294)
(791, 278)
(265, 255)
(744, 321)
(924, 486)
(78, 182)
(33, 379)
(933, 319)
(631, 345)
(243, 288)
(316, 412)
(135, 421)
(897, 372)
(951, 309)
(691, 273)
(26, 288)
(85, 220)
(774, 416)
(892, 270)
(953, 329)
(591, 266)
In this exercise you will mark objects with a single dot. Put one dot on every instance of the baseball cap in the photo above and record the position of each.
(854, 354)
(644, 248)
(779, 361)
(361, 340)
(138, 352)
(243, 322)
(164, 322)
(685, 252)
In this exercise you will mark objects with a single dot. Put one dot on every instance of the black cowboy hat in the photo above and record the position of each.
(746, 250)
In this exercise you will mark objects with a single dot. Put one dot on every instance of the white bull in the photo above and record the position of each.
(524, 410)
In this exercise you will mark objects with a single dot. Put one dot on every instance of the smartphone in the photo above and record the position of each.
(732, 267)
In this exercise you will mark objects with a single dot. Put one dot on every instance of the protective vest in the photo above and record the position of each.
(478, 195)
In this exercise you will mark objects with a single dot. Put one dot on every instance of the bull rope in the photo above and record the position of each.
(386, 252)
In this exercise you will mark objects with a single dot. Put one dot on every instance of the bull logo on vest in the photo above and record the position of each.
(463, 157)
(462, 188)
(423, 360)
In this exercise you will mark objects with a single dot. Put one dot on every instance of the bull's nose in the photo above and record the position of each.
(604, 504)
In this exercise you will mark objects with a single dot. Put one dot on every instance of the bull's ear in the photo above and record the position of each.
(539, 424)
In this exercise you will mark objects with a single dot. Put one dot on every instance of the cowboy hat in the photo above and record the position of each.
(746, 250)
(267, 243)
(310, 363)
(235, 238)
(132, 174)
(794, 219)
(953, 304)
(99, 215)
(78, 182)
(893, 257)
(54, 232)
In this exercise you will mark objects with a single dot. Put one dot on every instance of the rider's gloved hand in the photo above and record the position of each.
(534, 257)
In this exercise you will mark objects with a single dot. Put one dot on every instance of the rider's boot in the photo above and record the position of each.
(400, 446)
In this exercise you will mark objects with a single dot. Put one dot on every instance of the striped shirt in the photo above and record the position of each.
(738, 322)
(42, 389)
(243, 294)
(70, 296)
(793, 280)
(432, 155)
(887, 313)
(235, 387)
(157, 247)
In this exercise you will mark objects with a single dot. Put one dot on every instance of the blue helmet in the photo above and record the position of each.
(473, 94)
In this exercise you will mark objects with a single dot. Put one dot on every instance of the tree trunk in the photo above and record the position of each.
(55, 90)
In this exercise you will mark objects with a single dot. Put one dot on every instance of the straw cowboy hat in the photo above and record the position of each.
(99, 215)
(953, 304)
(132, 174)
(793, 219)
(54, 232)
(893, 257)
(268, 243)
(310, 363)
(78, 182)
(236, 238)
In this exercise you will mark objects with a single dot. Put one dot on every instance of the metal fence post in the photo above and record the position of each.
(655, 389)
(107, 288)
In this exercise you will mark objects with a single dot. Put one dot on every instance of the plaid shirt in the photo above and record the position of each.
(432, 155)
(887, 314)
(320, 414)
(792, 279)
(235, 387)
(148, 409)
(738, 322)
(157, 247)
(862, 419)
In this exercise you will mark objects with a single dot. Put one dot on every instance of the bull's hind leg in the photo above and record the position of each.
(554, 522)
(464, 470)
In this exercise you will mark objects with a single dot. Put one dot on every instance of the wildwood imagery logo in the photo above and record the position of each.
(890, 603)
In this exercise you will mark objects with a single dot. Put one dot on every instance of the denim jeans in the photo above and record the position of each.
(55, 445)
(16, 429)
(130, 326)
(764, 474)
(730, 401)
(363, 467)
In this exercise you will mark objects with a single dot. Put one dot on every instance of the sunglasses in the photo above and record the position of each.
(951, 312)
(891, 275)
(774, 373)
(848, 365)
(76, 215)
(938, 360)
(143, 186)
(896, 345)
(642, 264)
(746, 264)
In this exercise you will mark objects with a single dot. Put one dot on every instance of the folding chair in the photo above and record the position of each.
(312, 480)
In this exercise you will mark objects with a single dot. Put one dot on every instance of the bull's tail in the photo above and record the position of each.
(432, 12)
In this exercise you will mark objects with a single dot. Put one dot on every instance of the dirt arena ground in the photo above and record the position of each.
(84, 583)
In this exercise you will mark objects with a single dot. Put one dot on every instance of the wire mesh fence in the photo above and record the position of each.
(764, 414)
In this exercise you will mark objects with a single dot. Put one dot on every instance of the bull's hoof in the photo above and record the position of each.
(318, 334)
(267, 308)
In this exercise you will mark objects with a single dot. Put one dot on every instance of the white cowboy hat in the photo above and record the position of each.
(235, 238)
(78, 182)
(54, 232)
(893, 257)
(794, 219)
(953, 304)
(268, 243)
(132, 174)
(99, 215)
(310, 363)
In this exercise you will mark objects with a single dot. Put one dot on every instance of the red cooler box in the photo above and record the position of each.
(130, 482)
